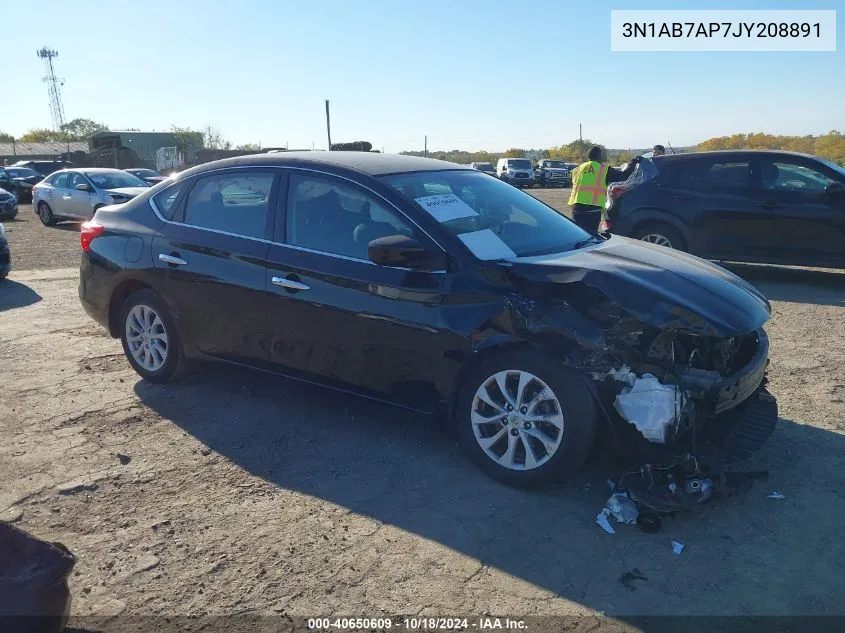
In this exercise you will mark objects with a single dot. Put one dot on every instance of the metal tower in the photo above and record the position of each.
(54, 85)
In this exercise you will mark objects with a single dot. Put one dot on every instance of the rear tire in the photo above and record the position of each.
(661, 234)
(149, 337)
(558, 429)
(45, 213)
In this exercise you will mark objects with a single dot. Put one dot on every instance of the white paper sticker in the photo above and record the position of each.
(486, 245)
(446, 207)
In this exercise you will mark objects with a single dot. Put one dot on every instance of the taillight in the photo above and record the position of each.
(88, 232)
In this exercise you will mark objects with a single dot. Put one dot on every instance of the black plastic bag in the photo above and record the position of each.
(34, 594)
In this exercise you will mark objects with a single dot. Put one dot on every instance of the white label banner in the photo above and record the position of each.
(723, 30)
(486, 245)
(446, 207)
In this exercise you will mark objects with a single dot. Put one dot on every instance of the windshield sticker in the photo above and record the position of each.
(98, 180)
(486, 245)
(445, 208)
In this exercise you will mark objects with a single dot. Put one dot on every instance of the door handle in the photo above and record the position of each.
(290, 284)
(170, 259)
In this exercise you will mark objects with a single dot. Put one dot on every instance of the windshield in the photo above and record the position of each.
(144, 173)
(115, 180)
(556, 164)
(837, 168)
(484, 166)
(493, 219)
(22, 172)
(519, 164)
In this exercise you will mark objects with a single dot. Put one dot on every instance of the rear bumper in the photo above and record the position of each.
(7, 213)
(94, 294)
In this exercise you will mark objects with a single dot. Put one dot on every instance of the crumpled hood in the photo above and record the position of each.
(662, 287)
(128, 191)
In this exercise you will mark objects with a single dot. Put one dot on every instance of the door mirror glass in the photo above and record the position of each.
(404, 252)
(83, 187)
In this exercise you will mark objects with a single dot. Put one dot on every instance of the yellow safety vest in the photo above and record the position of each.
(589, 184)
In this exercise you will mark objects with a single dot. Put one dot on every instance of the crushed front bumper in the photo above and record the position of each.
(735, 435)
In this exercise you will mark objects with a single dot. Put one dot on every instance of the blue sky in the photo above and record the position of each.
(470, 75)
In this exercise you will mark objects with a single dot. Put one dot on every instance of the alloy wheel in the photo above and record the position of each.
(146, 337)
(517, 420)
(657, 238)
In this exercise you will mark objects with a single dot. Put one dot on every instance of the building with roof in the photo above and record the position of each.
(13, 152)
(131, 148)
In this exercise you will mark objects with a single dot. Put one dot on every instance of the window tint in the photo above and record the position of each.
(76, 179)
(60, 181)
(782, 176)
(330, 217)
(165, 201)
(236, 203)
(709, 174)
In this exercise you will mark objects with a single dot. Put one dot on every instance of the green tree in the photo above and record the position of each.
(514, 152)
(213, 139)
(82, 129)
(43, 135)
(186, 138)
(249, 147)
(6, 138)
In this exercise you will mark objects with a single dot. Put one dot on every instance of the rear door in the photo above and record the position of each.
(337, 317)
(725, 218)
(807, 224)
(211, 259)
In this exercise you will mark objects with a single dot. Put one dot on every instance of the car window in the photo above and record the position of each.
(60, 180)
(76, 179)
(709, 174)
(235, 203)
(791, 177)
(493, 220)
(165, 201)
(330, 217)
(4, 175)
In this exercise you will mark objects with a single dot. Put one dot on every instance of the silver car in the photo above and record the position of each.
(75, 194)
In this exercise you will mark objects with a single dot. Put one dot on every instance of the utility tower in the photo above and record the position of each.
(54, 85)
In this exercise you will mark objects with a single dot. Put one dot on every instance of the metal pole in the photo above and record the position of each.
(580, 136)
(328, 125)
(425, 149)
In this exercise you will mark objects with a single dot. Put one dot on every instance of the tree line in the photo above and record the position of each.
(830, 146)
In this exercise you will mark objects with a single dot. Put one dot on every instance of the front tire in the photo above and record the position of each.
(45, 213)
(150, 340)
(526, 420)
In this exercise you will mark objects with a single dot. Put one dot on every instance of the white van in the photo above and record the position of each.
(515, 171)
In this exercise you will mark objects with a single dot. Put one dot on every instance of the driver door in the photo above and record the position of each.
(335, 316)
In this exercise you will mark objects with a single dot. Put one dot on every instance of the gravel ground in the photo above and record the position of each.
(234, 492)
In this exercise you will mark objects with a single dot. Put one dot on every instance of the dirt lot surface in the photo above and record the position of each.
(237, 492)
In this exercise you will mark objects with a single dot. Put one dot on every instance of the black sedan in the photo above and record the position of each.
(147, 175)
(19, 181)
(751, 206)
(433, 287)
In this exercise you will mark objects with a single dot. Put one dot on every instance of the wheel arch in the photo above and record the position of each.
(494, 347)
(648, 216)
(118, 297)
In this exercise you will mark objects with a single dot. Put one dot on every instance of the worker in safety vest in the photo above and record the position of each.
(589, 187)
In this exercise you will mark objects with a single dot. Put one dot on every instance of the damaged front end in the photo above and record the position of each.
(673, 345)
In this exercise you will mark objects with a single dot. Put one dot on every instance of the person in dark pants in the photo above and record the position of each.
(589, 187)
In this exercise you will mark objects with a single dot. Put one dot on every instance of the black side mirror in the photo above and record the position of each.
(404, 252)
(83, 186)
(835, 189)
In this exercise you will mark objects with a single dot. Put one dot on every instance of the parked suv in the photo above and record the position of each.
(44, 167)
(552, 172)
(756, 206)
(515, 171)
(487, 168)
(19, 181)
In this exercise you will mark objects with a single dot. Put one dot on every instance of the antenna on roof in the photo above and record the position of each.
(670, 147)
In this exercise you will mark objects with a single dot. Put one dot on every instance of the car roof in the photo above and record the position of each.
(370, 163)
(732, 152)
